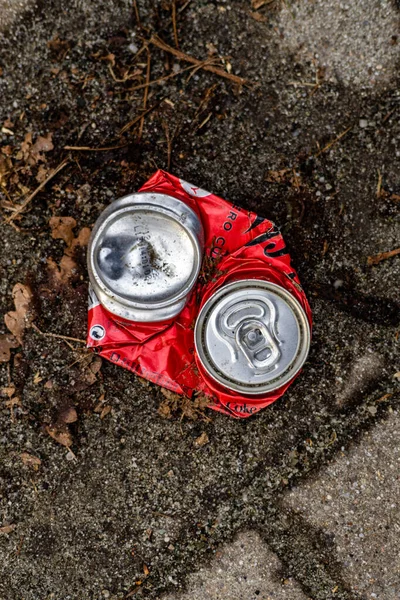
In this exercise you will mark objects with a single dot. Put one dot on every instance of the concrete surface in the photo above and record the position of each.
(137, 508)
(243, 570)
(356, 500)
(353, 42)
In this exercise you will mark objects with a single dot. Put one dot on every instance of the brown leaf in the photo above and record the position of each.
(69, 415)
(202, 440)
(37, 379)
(30, 461)
(7, 341)
(95, 365)
(67, 269)
(42, 174)
(61, 229)
(146, 569)
(258, 17)
(8, 391)
(7, 529)
(62, 436)
(81, 241)
(42, 144)
(16, 321)
(106, 410)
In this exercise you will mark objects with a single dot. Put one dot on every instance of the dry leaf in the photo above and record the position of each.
(42, 174)
(7, 529)
(61, 229)
(42, 144)
(202, 440)
(8, 391)
(67, 269)
(146, 570)
(69, 415)
(106, 410)
(258, 17)
(63, 436)
(95, 365)
(81, 240)
(17, 320)
(192, 408)
(7, 341)
(30, 461)
(37, 379)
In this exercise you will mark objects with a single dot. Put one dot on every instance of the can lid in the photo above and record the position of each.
(144, 256)
(252, 336)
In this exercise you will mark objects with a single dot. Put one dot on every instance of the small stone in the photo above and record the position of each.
(363, 123)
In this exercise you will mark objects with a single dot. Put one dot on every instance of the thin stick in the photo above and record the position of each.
(146, 93)
(56, 335)
(159, 43)
(194, 68)
(374, 260)
(174, 23)
(136, 119)
(169, 144)
(137, 15)
(88, 149)
(29, 199)
(339, 137)
(140, 86)
(379, 185)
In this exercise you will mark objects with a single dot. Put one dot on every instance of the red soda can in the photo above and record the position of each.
(239, 332)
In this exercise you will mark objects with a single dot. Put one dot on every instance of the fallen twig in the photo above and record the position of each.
(174, 23)
(146, 93)
(137, 15)
(159, 43)
(137, 119)
(88, 149)
(339, 137)
(57, 335)
(379, 185)
(374, 260)
(31, 196)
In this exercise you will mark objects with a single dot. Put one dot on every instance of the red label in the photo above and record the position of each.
(238, 245)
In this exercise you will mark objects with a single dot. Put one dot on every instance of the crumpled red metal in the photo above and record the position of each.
(238, 245)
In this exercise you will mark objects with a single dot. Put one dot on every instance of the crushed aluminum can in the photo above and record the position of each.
(247, 311)
(144, 256)
(252, 336)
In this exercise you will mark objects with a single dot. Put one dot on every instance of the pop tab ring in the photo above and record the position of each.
(144, 256)
(252, 336)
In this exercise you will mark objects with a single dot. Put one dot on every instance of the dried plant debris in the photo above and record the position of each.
(7, 341)
(62, 228)
(174, 405)
(33, 462)
(374, 260)
(61, 434)
(16, 321)
(202, 440)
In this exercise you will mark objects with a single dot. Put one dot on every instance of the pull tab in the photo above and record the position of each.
(247, 327)
(257, 344)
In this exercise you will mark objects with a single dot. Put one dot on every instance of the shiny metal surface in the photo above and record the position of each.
(252, 336)
(144, 256)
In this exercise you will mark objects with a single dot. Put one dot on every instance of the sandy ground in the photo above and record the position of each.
(314, 144)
